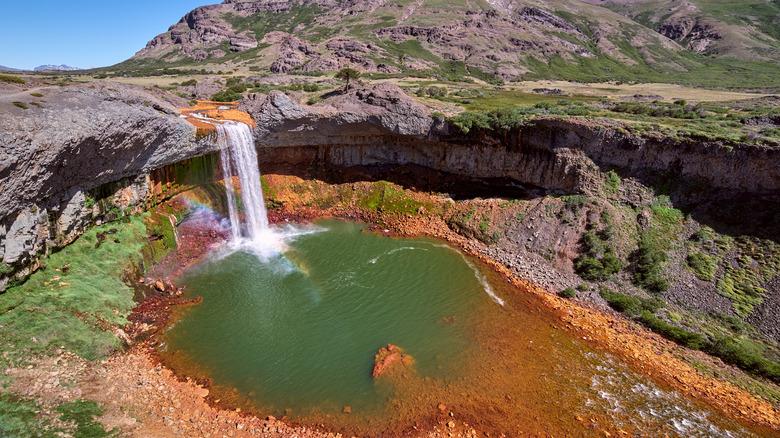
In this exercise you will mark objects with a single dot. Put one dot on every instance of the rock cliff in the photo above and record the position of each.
(381, 125)
(80, 138)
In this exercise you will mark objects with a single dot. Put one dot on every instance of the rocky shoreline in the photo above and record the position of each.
(144, 398)
(648, 353)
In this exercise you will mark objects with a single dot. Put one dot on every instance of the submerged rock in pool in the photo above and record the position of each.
(391, 358)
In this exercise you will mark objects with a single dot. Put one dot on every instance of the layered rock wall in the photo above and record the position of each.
(382, 126)
(97, 152)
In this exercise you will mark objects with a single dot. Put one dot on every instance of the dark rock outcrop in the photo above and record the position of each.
(377, 111)
(84, 137)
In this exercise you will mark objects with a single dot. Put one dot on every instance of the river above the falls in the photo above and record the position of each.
(294, 334)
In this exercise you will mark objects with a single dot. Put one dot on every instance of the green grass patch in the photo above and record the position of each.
(742, 287)
(19, 104)
(703, 265)
(53, 308)
(19, 417)
(82, 413)
(387, 197)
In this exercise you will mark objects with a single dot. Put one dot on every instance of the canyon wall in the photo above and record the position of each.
(96, 152)
(382, 126)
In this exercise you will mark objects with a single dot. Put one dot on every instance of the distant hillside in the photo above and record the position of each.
(4, 68)
(493, 40)
(747, 30)
(62, 67)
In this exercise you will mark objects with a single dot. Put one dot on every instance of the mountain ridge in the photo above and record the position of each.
(502, 40)
(61, 67)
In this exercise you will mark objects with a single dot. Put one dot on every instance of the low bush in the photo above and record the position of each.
(10, 79)
(649, 259)
(20, 104)
(631, 306)
(672, 332)
(745, 355)
(626, 304)
(226, 96)
(309, 88)
(598, 261)
(612, 181)
(569, 292)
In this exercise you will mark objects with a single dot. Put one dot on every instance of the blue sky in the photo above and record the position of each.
(83, 34)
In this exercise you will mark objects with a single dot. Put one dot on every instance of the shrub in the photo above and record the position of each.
(575, 202)
(631, 306)
(20, 104)
(583, 287)
(612, 181)
(672, 332)
(745, 355)
(36, 94)
(598, 261)
(648, 266)
(626, 304)
(568, 293)
(9, 79)
(436, 92)
(226, 96)
(189, 83)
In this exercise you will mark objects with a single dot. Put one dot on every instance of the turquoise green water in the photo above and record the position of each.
(302, 330)
(296, 333)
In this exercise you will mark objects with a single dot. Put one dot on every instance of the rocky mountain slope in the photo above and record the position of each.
(485, 39)
(747, 30)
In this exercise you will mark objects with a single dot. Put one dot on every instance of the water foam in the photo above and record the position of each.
(477, 273)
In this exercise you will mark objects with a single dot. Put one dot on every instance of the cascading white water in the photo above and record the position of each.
(238, 153)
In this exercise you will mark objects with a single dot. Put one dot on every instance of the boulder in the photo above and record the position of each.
(390, 359)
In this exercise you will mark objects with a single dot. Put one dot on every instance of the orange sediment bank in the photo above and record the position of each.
(216, 111)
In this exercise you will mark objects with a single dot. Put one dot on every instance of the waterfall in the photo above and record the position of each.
(237, 153)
